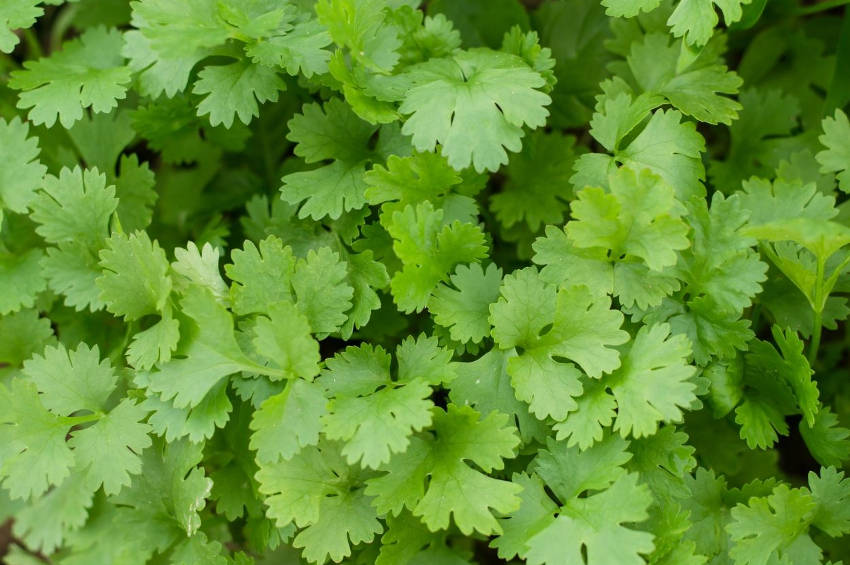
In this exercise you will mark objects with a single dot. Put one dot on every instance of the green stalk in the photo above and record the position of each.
(77, 420)
(818, 305)
(821, 7)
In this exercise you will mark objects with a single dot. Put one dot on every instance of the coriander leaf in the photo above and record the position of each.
(211, 354)
(134, 189)
(535, 513)
(235, 89)
(589, 524)
(88, 72)
(666, 146)
(485, 385)
(200, 266)
(72, 269)
(288, 421)
(410, 180)
(332, 132)
(774, 527)
(169, 40)
(756, 136)
(317, 491)
(696, 19)
(45, 522)
(154, 344)
(71, 380)
(170, 491)
(135, 281)
(836, 156)
(370, 412)
(322, 292)
(366, 276)
(429, 249)
(376, 425)
(464, 309)
(122, 435)
(198, 423)
(25, 333)
(16, 14)
(653, 384)
(629, 8)
(595, 410)
(261, 275)
(582, 330)
(451, 96)
(22, 279)
(198, 549)
(21, 172)
(364, 28)
(696, 90)
(831, 491)
(37, 455)
(459, 435)
(74, 207)
(536, 190)
(827, 441)
(640, 217)
(300, 49)
(283, 337)
(594, 527)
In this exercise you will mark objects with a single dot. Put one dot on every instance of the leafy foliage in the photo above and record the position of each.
(463, 282)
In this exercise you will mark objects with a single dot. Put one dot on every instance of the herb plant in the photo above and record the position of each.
(468, 282)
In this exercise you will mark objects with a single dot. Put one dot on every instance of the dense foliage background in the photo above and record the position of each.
(468, 281)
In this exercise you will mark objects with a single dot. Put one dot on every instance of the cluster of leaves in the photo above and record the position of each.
(480, 281)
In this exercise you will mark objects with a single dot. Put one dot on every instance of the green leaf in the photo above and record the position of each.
(831, 491)
(363, 27)
(465, 308)
(640, 217)
(169, 40)
(211, 355)
(589, 524)
(535, 190)
(455, 488)
(653, 384)
(828, 442)
(37, 455)
(22, 279)
(316, 491)
(121, 435)
(696, 90)
(71, 380)
(322, 291)
(450, 96)
(696, 19)
(135, 281)
(583, 329)
(261, 275)
(21, 173)
(88, 72)
(283, 336)
(16, 14)
(235, 89)
(74, 207)
(287, 422)
(594, 527)
(25, 333)
(835, 158)
(429, 249)
(774, 527)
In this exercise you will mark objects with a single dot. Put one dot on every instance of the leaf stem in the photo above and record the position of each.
(818, 305)
(821, 7)
(77, 420)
